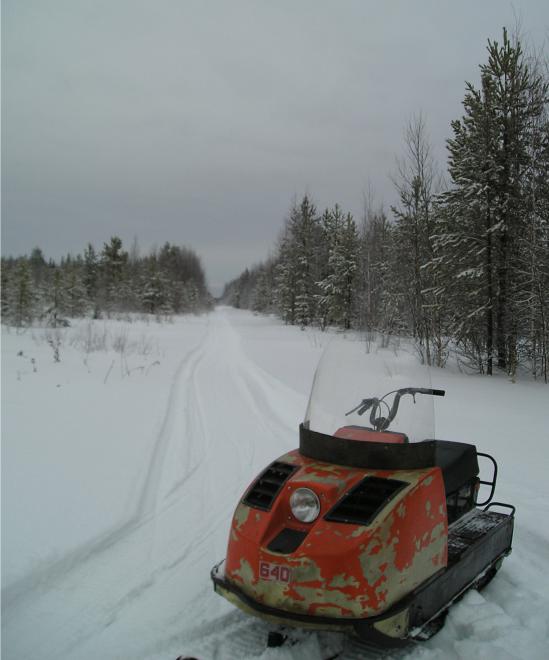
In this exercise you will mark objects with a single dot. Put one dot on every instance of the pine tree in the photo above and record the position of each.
(23, 297)
(113, 266)
(484, 214)
(531, 286)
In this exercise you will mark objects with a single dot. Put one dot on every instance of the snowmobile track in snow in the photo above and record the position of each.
(49, 573)
(142, 590)
(95, 585)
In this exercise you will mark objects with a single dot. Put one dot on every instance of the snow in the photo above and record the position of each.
(122, 464)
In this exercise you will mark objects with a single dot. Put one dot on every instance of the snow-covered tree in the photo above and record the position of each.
(296, 271)
(154, 294)
(285, 277)
(76, 301)
(113, 270)
(262, 296)
(336, 297)
(22, 297)
(55, 299)
(378, 307)
(485, 213)
(417, 183)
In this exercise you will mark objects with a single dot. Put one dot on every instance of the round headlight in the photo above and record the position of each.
(305, 505)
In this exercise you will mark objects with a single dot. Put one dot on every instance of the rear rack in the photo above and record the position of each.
(503, 506)
(492, 483)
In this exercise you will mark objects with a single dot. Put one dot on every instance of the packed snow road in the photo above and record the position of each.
(138, 587)
(127, 592)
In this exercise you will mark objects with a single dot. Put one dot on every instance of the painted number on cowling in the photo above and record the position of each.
(274, 572)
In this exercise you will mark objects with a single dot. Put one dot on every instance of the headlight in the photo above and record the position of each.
(305, 505)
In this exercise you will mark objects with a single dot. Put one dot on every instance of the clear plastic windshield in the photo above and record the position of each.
(354, 391)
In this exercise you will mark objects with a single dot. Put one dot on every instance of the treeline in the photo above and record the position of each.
(461, 266)
(112, 281)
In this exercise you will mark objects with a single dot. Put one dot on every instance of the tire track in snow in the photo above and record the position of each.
(198, 432)
(150, 510)
(266, 401)
(52, 571)
(234, 406)
(223, 415)
(149, 492)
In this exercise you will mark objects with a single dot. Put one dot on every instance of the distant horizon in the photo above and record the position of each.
(126, 248)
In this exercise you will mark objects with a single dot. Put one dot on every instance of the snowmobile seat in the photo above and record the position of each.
(458, 462)
(365, 434)
(386, 450)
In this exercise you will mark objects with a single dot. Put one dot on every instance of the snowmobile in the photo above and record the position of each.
(369, 527)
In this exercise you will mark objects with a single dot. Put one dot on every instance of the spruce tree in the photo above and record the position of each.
(285, 275)
(56, 299)
(336, 297)
(113, 266)
(304, 235)
(22, 297)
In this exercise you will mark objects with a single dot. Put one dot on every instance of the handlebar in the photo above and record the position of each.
(382, 423)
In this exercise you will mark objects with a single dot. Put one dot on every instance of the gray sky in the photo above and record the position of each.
(197, 122)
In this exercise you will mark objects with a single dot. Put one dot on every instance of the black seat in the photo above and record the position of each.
(458, 462)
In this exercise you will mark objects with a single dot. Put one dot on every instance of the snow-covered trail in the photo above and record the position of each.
(127, 593)
(140, 590)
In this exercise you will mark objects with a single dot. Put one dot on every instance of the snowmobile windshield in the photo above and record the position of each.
(366, 392)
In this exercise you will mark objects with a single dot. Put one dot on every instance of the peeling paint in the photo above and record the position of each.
(334, 600)
(341, 580)
(308, 571)
(437, 532)
(245, 572)
(382, 562)
(241, 515)
(290, 457)
(359, 531)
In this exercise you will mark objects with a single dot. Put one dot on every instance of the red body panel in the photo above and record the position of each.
(341, 569)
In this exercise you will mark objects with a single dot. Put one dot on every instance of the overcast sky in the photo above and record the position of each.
(198, 122)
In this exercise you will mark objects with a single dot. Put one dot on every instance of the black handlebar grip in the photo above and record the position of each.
(438, 392)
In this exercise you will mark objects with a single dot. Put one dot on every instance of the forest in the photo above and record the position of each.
(461, 262)
(99, 284)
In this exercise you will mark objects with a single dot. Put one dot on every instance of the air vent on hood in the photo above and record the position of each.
(287, 541)
(363, 502)
(263, 492)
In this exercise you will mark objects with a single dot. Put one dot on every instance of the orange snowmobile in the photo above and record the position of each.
(368, 528)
